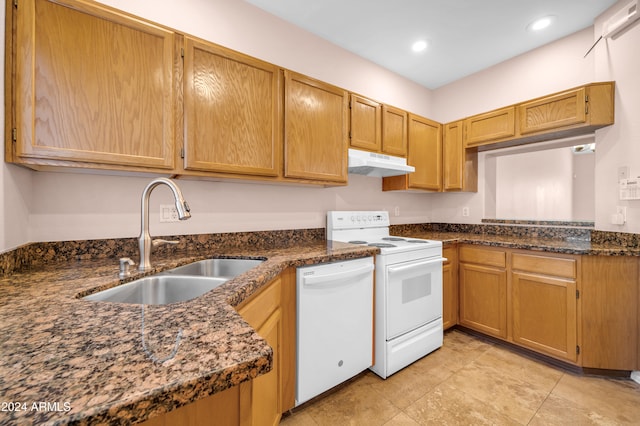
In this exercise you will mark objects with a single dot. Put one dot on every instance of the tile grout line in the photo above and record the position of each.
(545, 399)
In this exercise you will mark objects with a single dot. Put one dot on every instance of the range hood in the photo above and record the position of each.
(377, 165)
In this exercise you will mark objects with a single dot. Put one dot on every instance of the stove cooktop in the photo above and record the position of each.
(395, 244)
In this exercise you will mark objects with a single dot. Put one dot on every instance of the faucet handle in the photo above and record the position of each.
(159, 241)
(125, 263)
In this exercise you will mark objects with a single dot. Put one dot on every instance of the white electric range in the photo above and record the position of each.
(408, 296)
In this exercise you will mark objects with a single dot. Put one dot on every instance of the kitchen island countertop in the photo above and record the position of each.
(68, 360)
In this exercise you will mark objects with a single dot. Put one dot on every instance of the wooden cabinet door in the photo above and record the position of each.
(490, 127)
(223, 406)
(263, 312)
(453, 157)
(93, 86)
(449, 288)
(459, 165)
(316, 130)
(394, 131)
(544, 314)
(610, 301)
(425, 153)
(563, 109)
(483, 299)
(366, 124)
(266, 390)
(232, 109)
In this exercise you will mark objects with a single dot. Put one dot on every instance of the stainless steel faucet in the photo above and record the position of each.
(144, 241)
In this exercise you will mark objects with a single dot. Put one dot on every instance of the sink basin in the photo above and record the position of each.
(219, 268)
(158, 290)
(177, 285)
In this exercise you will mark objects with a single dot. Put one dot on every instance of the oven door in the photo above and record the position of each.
(414, 294)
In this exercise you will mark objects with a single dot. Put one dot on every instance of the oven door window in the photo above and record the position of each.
(414, 295)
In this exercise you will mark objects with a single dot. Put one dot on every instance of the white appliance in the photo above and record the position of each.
(334, 324)
(408, 295)
(377, 165)
(621, 20)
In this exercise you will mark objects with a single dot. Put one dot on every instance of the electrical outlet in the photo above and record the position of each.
(396, 211)
(623, 211)
(168, 213)
(465, 211)
(623, 173)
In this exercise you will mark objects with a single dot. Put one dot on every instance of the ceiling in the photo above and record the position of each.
(463, 36)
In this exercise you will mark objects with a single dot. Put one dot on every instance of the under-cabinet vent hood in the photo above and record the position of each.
(377, 165)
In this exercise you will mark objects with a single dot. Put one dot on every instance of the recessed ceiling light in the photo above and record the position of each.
(419, 46)
(541, 23)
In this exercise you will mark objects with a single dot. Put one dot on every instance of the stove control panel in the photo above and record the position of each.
(357, 219)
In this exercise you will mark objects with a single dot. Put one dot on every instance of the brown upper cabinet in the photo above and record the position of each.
(366, 124)
(574, 112)
(491, 127)
(232, 111)
(590, 105)
(378, 127)
(316, 129)
(460, 165)
(394, 131)
(78, 100)
(442, 162)
(92, 87)
(424, 153)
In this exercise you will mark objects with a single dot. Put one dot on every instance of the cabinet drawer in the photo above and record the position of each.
(483, 256)
(554, 266)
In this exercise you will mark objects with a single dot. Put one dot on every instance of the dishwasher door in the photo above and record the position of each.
(334, 324)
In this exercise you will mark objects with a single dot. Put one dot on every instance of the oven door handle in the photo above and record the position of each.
(408, 267)
(340, 278)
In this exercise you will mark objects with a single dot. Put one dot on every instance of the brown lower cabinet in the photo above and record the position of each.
(262, 400)
(609, 298)
(579, 309)
(483, 290)
(544, 304)
(450, 286)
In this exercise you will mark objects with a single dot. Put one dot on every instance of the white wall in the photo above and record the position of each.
(584, 187)
(551, 68)
(39, 206)
(535, 185)
(618, 145)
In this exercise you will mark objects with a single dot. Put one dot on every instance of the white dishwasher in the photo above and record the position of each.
(334, 324)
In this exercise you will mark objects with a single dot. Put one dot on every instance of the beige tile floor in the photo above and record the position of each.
(472, 382)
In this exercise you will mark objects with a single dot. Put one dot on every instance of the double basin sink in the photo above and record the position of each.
(177, 285)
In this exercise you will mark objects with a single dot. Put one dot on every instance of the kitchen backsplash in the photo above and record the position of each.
(37, 254)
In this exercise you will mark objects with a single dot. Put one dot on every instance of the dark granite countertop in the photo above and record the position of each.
(556, 245)
(87, 361)
(64, 360)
